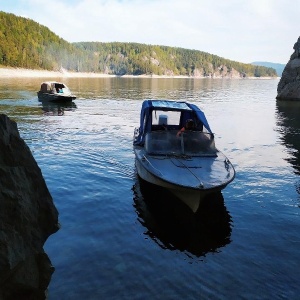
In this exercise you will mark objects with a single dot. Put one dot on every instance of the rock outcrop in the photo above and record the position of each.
(27, 218)
(289, 85)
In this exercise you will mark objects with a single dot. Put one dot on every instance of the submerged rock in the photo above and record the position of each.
(289, 85)
(27, 218)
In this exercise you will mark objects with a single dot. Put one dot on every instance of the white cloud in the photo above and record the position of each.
(246, 31)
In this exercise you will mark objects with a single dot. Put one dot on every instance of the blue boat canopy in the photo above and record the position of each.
(187, 111)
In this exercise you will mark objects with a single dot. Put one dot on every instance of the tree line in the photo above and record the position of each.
(25, 43)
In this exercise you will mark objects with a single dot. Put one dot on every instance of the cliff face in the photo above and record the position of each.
(27, 218)
(289, 85)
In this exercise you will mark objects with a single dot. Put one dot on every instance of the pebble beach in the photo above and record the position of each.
(27, 73)
(19, 72)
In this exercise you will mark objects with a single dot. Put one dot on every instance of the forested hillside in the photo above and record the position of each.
(133, 58)
(278, 67)
(27, 44)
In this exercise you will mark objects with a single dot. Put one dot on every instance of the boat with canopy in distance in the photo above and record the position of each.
(54, 91)
(175, 148)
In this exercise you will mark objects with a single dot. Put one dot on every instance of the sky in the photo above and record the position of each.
(240, 30)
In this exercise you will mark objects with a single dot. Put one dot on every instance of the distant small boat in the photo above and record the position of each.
(175, 148)
(55, 92)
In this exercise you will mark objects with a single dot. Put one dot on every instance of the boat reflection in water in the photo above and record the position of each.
(57, 109)
(172, 225)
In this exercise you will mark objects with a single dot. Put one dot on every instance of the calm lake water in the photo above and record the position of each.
(123, 239)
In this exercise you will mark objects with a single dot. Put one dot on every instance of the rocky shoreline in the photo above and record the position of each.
(289, 85)
(28, 217)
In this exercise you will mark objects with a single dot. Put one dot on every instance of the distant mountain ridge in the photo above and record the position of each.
(278, 67)
(27, 44)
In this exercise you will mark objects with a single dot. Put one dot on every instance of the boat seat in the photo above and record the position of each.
(162, 123)
(163, 120)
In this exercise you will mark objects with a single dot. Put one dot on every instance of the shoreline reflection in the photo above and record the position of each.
(173, 226)
(289, 123)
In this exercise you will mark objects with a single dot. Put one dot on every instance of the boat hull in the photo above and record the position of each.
(55, 97)
(215, 175)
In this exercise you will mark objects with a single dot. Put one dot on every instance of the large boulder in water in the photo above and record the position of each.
(27, 218)
(289, 85)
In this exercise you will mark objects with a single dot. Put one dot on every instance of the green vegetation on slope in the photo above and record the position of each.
(136, 59)
(27, 44)
(278, 67)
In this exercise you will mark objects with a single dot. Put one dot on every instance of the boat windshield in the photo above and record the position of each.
(190, 143)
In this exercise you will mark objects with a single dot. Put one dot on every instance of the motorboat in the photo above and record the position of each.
(55, 92)
(178, 157)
